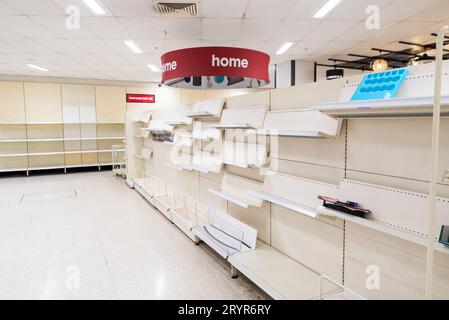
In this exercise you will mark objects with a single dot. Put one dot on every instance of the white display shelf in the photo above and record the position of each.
(4, 170)
(180, 122)
(234, 199)
(218, 242)
(61, 123)
(296, 207)
(231, 126)
(292, 134)
(241, 118)
(60, 139)
(54, 153)
(398, 107)
(398, 233)
(157, 126)
(245, 155)
(281, 277)
(301, 123)
(199, 114)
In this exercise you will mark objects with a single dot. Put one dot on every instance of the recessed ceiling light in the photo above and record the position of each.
(95, 7)
(134, 48)
(36, 67)
(284, 48)
(328, 7)
(153, 68)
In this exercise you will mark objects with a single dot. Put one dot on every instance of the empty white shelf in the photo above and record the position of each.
(205, 109)
(293, 134)
(54, 153)
(278, 275)
(398, 233)
(61, 123)
(240, 202)
(398, 107)
(301, 123)
(60, 139)
(302, 209)
(231, 126)
(157, 126)
(219, 242)
(242, 118)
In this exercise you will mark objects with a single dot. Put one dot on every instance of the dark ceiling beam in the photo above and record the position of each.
(424, 46)
(341, 66)
(396, 52)
(350, 62)
(436, 35)
(377, 57)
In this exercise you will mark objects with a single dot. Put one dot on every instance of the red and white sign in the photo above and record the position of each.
(140, 98)
(215, 67)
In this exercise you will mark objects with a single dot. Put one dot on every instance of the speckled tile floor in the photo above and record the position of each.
(106, 243)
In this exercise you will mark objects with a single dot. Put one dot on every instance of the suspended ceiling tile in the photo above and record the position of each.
(400, 10)
(92, 45)
(6, 10)
(436, 12)
(223, 8)
(222, 29)
(143, 28)
(59, 45)
(334, 48)
(259, 29)
(305, 9)
(355, 9)
(26, 26)
(306, 47)
(400, 31)
(294, 30)
(267, 9)
(361, 33)
(84, 10)
(185, 29)
(58, 26)
(36, 8)
(7, 33)
(127, 8)
(330, 30)
(104, 27)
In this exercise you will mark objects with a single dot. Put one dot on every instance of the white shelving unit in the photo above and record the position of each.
(205, 109)
(398, 107)
(301, 123)
(236, 189)
(241, 118)
(295, 193)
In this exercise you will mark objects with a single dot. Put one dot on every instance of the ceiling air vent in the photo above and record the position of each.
(176, 8)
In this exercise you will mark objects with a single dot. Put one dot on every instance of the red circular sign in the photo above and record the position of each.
(215, 67)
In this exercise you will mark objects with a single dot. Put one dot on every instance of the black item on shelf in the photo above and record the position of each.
(197, 81)
(348, 207)
(444, 235)
(234, 80)
(187, 79)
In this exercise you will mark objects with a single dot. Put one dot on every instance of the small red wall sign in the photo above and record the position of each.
(140, 98)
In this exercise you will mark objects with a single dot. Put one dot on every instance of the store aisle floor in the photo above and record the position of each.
(104, 243)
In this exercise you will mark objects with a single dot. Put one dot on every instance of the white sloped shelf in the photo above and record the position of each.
(408, 222)
(245, 155)
(158, 126)
(295, 193)
(242, 118)
(236, 189)
(205, 109)
(301, 123)
(202, 131)
(397, 107)
(144, 118)
(281, 277)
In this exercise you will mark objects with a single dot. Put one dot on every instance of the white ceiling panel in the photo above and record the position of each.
(222, 29)
(58, 26)
(330, 30)
(259, 29)
(268, 9)
(306, 9)
(7, 33)
(143, 28)
(26, 27)
(436, 12)
(147, 46)
(6, 10)
(360, 33)
(184, 29)
(36, 8)
(223, 8)
(104, 27)
(92, 45)
(294, 30)
(59, 45)
(356, 9)
(306, 47)
(334, 48)
(402, 9)
(21, 46)
(170, 45)
(130, 8)
(400, 31)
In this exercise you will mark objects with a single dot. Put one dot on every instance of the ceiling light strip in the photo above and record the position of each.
(328, 7)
